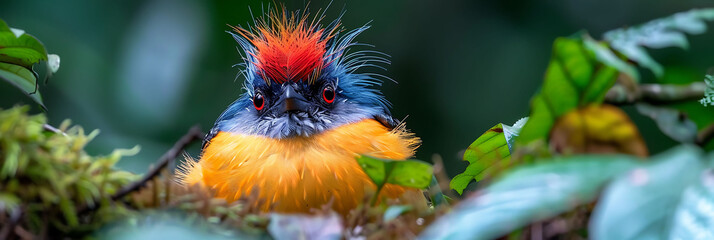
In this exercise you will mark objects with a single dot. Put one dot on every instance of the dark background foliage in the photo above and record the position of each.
(145, 71)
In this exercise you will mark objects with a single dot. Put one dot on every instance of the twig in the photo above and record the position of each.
(193, 134)
(50, 128)
(24, 234)
(659, 94)
(655, 93)
(15, 217)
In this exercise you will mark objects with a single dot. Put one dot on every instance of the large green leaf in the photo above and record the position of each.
(175, 225)
(659, 33)
(578, 74)
(19, 51)
(642, 204)
(21, 78)
(529, 193)
(694, 217)
(20, 48)
(491, 150)
(408, 173)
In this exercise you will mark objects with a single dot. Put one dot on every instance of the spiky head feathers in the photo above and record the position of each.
(287, 48)
(300, 78)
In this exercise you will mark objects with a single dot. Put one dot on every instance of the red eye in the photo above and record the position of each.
(328, 94)
(258, 101)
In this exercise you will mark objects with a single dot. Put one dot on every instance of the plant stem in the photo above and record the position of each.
(387, 172)
(376, 195)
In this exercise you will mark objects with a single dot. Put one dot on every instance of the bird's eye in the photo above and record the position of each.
(258, 101)
(328, 94)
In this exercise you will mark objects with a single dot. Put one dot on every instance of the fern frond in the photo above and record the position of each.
(659, 33)
(708, 99)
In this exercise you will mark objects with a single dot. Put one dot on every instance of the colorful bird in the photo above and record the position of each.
(309, 110)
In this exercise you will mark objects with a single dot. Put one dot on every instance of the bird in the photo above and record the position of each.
(310, 106)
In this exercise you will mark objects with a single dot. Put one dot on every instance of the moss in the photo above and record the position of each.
(47, 176)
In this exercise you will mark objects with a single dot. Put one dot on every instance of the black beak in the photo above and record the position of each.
(293, 101)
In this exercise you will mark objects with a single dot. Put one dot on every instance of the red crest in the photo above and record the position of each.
(287, 48)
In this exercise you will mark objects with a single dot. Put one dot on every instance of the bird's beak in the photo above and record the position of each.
(293, 101)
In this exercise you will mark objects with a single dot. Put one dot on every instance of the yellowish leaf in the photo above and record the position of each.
(597, 129)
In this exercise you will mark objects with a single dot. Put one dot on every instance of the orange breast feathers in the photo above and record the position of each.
(300, 173)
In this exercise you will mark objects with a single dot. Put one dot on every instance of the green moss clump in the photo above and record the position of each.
(47, 179)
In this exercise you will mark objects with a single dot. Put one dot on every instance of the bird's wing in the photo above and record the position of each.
(230, 112)
(387, 120)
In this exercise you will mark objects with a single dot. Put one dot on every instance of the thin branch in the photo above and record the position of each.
(24, 234)
(193, 134)
(655, 93)
(661, 94)
(50, 128)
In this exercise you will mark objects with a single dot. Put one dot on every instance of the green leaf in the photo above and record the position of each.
(168, 224)
(408, 173)
(19, 51)
(284, 226)
(491, 150)
(673, 123)
(659, 33)
(579, 74)
(529, 193)
(605, 55)
(23, 79)
(694, 217)
(647, 197)
(69, 212)
(24, 50)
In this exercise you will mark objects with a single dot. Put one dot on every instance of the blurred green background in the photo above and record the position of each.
(143, 72)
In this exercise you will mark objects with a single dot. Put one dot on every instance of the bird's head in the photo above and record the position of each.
(301, 79)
